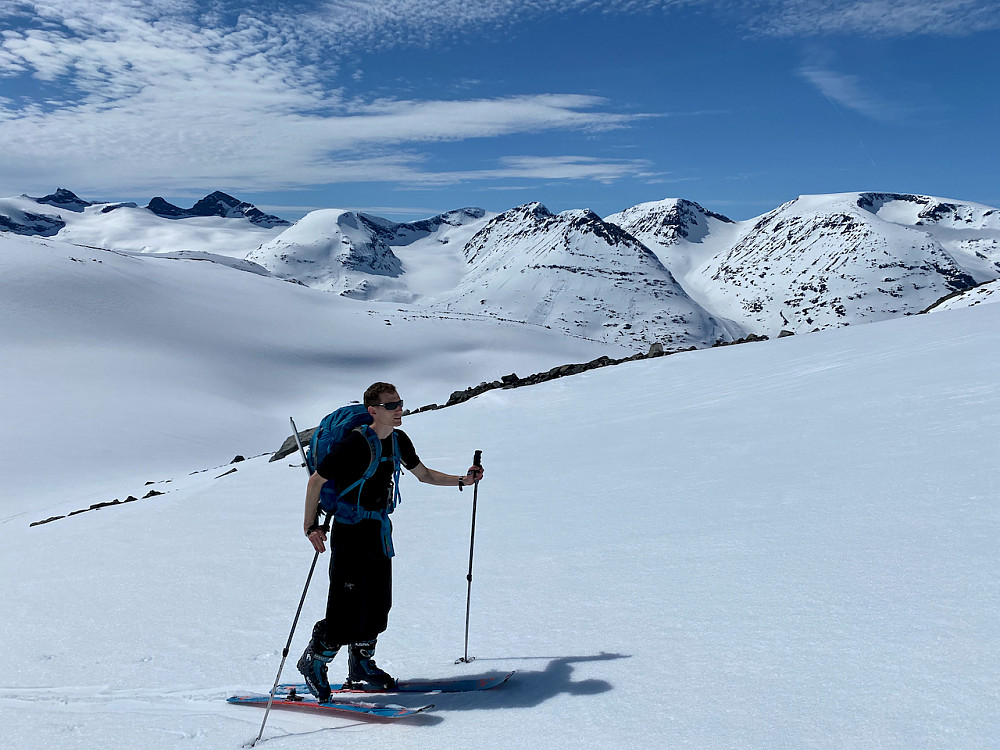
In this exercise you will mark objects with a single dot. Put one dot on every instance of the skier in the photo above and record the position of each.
(360, 593)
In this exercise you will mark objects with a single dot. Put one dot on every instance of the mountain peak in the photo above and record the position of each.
(668, 221)
(217, 204)
(576, 273)
(63, 198)
(164, 208)
(923, 210)
(335, 250)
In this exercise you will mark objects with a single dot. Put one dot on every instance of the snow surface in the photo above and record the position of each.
(983, 294)
(147, 366)
(574, 273)
(790, 544)
(822, 261)
(139, 230)
(355, 254)
(679, 275)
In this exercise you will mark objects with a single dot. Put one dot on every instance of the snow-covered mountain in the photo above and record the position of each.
(669, 271)
(823, 261)
(970, 232)
(576, 273)
(986, 293)
(229, 232)
(352, 253)
(333, 250)
(685, 236)
(813, 563)
(680, 232)
(217, 204)
(828, 261)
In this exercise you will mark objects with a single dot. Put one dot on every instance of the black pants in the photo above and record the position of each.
(357, 607)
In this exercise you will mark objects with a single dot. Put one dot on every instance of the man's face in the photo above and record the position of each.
(388, 417)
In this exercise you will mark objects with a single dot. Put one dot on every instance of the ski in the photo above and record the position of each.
(306, 702)
(447, 685)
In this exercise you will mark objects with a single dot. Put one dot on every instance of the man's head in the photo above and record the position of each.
(378, 398)
(378, 393)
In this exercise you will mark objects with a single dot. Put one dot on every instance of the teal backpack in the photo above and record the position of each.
(334, 429)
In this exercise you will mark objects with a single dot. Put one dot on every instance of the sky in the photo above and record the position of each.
(408, 108)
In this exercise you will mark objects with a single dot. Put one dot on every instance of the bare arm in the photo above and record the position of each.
(439, 478)
(317, 536)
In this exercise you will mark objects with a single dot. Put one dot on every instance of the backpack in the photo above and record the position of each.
(334, 429)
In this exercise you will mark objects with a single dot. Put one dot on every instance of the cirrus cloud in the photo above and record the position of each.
(175, 94)
(143, 95)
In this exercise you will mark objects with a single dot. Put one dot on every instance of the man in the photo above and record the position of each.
(360, 595)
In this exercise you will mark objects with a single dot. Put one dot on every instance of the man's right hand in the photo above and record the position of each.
(317, 537)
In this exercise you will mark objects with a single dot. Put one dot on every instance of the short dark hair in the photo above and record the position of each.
(373, 396)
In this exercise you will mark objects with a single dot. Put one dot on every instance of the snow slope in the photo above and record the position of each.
(982, 294)
(146, 365)
(667, 271)
(684, 236)
(822, 261)
(780, 545)
(575, 273)
(353, 254)
(129, 228)
(828, 261)
(682, 233)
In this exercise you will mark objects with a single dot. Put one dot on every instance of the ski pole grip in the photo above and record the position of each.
(477, 459)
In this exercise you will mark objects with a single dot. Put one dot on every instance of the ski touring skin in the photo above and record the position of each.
(457, 685)
(305, 702)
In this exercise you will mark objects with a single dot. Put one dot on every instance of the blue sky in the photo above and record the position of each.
(411, 107)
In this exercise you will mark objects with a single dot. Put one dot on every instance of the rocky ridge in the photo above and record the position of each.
(217, 204)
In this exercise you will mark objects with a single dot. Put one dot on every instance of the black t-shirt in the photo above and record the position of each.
(347, 461)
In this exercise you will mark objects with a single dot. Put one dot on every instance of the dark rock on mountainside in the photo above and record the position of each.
(167, 210)
(217, 204)
(32, 224)
(63, 198)
(668, 221)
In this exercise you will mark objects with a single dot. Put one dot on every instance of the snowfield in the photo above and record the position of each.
(149, 366)
(790, 544)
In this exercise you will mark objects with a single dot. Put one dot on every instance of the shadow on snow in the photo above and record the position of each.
(528, 688)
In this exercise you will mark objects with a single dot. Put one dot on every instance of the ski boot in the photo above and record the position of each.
(362, 669)
(312, 663)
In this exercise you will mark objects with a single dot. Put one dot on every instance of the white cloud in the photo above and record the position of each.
(377, 23)
(180, 93)
(551, 167)
(571, 167)
(878, 17)
(385, 23)
(849, 91)
(151, 97)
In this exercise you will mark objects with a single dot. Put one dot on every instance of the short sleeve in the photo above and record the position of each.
(407, 453)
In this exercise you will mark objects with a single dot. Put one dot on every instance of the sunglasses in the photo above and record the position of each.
(392, 405)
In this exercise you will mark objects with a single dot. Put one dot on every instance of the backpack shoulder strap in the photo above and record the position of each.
(375, 448)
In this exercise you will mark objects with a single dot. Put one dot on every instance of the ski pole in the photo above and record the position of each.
(477, 462)
(298, 612)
